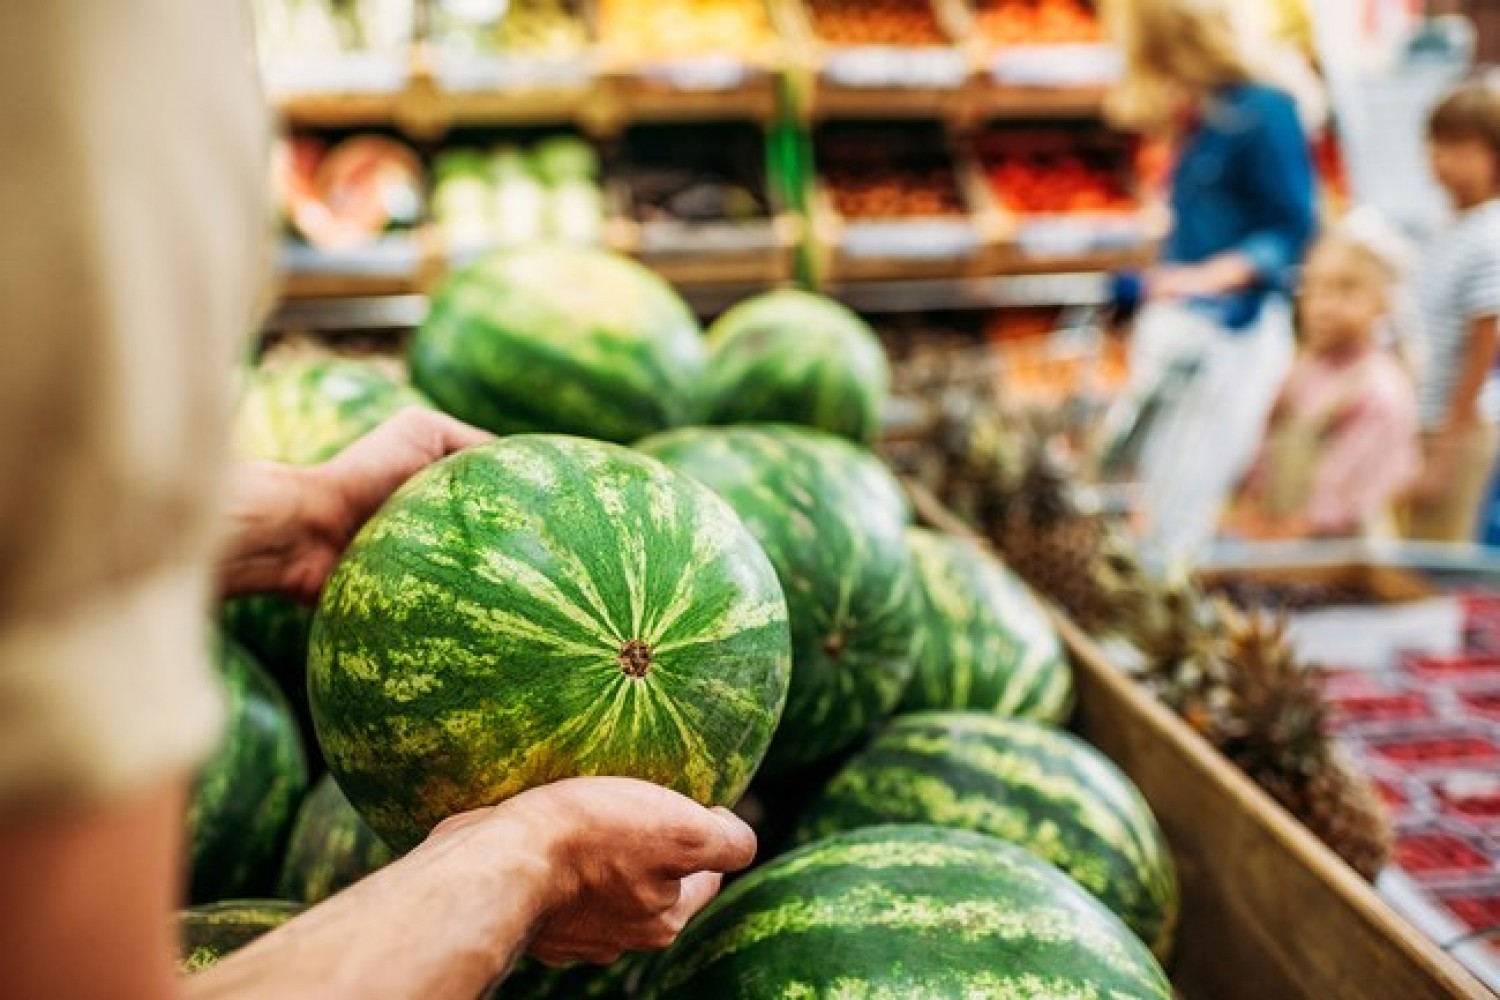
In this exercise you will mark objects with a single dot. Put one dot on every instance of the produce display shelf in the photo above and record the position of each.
(407, 309)
(1268, 910)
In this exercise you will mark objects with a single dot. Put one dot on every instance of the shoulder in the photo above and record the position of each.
(1256, 108)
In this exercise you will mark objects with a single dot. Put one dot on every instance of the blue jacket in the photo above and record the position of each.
(1244, 183)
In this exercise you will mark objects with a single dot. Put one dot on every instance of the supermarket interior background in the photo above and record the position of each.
(1073, 423)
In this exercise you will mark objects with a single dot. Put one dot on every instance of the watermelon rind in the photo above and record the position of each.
(798, 358)
(907, 913)
(540, 608)
(832, 519)
(331, 847)
(557, 339)
(1024, 783)
(214, 931)
(987, 642)
(246, 794)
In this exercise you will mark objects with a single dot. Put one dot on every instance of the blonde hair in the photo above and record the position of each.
(1367, 234)
(1178, 50)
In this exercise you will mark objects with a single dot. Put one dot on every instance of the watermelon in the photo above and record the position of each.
(540, 608)
(533, 981)
(1021, 782)
(304, 412)
(561, 339)
(907, 913)
(331, 847)
(829, 517)
(987, 642)
(211, 932)
(797, 358)
(246, 794)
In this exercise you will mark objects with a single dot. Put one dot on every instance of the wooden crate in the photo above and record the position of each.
(1384, 584)
(1269, 912)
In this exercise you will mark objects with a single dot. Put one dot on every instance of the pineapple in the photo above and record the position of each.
(1237, 680)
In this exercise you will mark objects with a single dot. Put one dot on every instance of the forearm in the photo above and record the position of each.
(426, 928)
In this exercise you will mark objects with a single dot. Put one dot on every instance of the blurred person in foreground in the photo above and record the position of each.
(130, 267)
(1215, 315)
(1459, 307)
(1342, 440)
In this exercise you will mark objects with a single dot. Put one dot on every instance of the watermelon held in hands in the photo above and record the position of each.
(541, 608)
(832, 519)
(210, 933)
(560, 339)
(988, 643)
(331, 847)
(246, 794)
(797, 358)
(907, 913)
(1023, 783)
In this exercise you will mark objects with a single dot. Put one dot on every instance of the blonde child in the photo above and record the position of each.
(1342, 440)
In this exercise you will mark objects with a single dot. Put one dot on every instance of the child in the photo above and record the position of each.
(1459, 304)
(1342, 441)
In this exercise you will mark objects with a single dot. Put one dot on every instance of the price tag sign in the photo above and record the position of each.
(700, 74)
(464, 72)
(668, 238)
(393, 256)
(1058, 66)
(911, 239)
(1074, 235)
(339, 73)
(887, 67)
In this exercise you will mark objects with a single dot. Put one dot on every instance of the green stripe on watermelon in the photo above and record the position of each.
(306, 411)
(246, 794)
(210, 933)
(1027, 784)
(831, 518)
(331, 847)
(542, 608)
(533, 981)
(907, 913)
(988, 643)
(797, 358)
(558, 339)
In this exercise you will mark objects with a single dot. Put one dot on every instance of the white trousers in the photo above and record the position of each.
(1203, 447)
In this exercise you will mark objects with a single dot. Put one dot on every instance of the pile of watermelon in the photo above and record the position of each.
(680, 563)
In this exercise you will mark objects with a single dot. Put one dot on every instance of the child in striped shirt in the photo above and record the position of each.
(1459, 303)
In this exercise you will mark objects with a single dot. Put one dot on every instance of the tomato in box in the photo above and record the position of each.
(1455, 748)
(1455, 668)
(1479, 911)
(1474, 796)
(1433, 853)
(1483, 703)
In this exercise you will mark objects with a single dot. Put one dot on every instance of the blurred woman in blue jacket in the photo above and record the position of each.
(1216, 316)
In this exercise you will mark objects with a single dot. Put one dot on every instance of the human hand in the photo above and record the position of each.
(291, 525)
(629, 863)
(1439, 464)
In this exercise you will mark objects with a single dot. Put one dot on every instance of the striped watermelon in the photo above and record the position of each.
(797, 358)
(561, 339)
(907, 913)
(541, 608)
(304, 412)
(829, 517)
(246, 794)
(331, 847)
(209, 933)
(1024, 783)
(987, 642)
(533, 981)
